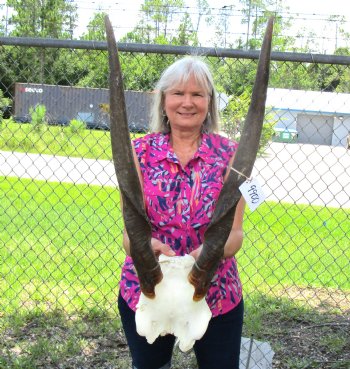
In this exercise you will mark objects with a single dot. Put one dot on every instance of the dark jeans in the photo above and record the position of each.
(218, 348)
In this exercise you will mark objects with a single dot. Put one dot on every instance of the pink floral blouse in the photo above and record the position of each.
(180, 203)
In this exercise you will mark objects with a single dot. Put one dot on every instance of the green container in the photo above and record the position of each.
(285, 135)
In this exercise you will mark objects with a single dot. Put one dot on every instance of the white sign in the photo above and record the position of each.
(252, 193)
(33, 90)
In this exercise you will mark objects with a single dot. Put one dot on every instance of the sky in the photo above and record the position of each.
(308, 16)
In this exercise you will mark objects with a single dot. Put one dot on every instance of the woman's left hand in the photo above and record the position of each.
(159, 247)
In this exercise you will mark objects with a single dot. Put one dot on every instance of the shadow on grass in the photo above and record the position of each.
(301, 338)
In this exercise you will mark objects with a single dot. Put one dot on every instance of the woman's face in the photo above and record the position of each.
(186, 105)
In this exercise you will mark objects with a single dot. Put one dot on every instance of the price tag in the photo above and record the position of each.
(252, 193)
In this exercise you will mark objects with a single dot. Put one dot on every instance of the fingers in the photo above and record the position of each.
(161, 248)
(166, 250)
(195, 253)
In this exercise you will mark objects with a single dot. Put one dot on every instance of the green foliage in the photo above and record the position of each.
(57, 225)
(185, 36)
(293, 76)
(159, 15)
(143, 71)
(234, 77)
(42, 65)
(51, 227)
(234, 115)
(80, 68)
(96, 74)
(96, 70)
(76, 126)
(267, 133)
(4, 102)
(56, 140)
(37, 117)
(96, 28)
(37, 18)
(156, 24)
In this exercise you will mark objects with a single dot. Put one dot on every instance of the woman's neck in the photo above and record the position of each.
(185, 145)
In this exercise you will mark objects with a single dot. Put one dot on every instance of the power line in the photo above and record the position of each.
(232, 17)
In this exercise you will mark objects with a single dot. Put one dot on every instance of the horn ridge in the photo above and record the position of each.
(135, 219)
(220, 226)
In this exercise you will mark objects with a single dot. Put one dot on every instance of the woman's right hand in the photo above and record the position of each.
(159, 247)
(195, 253)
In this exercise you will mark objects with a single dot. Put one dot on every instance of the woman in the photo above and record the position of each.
(182, 167)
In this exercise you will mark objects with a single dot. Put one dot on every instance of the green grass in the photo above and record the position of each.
(55, 339)
(60, 252)
(59, 242)
(302, 245)
(93, 339)
(56, 140)
(62, 243)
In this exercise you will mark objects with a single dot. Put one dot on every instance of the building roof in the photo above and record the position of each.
(308, 101)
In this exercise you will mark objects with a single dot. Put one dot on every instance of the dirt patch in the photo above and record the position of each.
(301, 337)
(323, 299)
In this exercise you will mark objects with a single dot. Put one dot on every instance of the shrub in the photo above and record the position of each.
(234, 116)
(4, 103)
(38, 117)
(76, 126)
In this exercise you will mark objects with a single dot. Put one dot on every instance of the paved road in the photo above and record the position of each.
(294, 173)
(57, 168)
(307, 174)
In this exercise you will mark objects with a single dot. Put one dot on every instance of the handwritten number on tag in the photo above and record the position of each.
(252, 193)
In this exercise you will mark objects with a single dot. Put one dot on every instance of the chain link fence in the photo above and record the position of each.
(61, 225)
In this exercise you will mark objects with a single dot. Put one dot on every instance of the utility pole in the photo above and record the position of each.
(225, 8)
(248, 25)
(6, 17)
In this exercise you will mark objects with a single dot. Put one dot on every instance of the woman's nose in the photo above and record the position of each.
(187, 99)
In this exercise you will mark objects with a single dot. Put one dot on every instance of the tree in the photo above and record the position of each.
(141, 72)
(97, 62)
(255, 16)
(96, 28)
(203, 11)
(234, 115)
(4, 103)
(42, 18)
(185, 35)
(159, 14)
(164, 22)
(2, 22)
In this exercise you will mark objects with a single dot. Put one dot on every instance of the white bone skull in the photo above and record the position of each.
(173, 310)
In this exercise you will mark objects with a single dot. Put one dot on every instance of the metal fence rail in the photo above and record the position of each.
(60, 220)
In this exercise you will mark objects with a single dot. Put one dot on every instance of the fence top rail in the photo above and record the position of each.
(174, 50)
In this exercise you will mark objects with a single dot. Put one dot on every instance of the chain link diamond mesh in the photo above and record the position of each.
(61, 225)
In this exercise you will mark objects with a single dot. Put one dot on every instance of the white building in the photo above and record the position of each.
(321, 118)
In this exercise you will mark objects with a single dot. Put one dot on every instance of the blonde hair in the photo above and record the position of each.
(178, 73)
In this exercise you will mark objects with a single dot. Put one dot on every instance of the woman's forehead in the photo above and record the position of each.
(190, 81)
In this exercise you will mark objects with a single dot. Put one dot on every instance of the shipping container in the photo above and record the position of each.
(90, 105)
